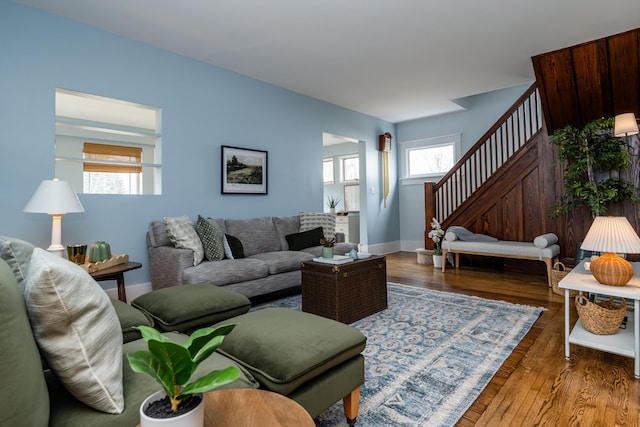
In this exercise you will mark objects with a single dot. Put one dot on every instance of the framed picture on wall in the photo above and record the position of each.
(244, 171)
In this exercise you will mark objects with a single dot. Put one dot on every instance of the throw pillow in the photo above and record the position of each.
(77, 330)
(17, 253)
(304, 239)
(211, 237)
(311, 220)
(182, 234)
(235, 247)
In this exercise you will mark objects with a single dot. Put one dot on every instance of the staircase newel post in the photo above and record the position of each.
(429, 212)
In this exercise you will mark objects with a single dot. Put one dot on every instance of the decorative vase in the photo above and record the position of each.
(327, 252)
(100, 251)
(193, 418)
(437, 261)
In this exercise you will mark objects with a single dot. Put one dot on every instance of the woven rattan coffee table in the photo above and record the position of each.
(345, 292)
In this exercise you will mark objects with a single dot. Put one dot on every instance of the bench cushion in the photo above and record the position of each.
(189, 307)
(129, 317)
(503, 247)
(284, 348)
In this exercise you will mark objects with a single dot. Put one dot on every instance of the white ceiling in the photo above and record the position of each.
(396, 60)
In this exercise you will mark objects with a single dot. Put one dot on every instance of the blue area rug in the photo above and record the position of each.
(429, 355)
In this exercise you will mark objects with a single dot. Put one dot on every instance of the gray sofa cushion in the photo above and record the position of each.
(285, 226)
(257, 235)
(23, 391)
(226, 271)
(283, 261)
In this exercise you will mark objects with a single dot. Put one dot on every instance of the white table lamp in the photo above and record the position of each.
(56, 198)
(625, 125)
(611, 235)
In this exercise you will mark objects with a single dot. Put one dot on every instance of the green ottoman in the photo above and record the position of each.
(189, 307)
(311, 359)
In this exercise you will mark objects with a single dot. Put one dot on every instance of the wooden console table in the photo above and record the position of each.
(116, 273)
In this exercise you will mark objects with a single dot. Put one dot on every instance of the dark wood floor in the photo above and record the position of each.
(536, 386)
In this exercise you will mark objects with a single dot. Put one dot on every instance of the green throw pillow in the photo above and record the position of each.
(212, 238)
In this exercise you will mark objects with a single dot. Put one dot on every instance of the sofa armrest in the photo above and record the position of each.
(166, 264)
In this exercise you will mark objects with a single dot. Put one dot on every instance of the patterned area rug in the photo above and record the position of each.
(429, 355)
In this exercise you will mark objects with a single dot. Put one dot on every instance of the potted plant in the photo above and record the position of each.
(436, 235)
(172, 365)
(596, 164)
(327, 247)
(332, 202)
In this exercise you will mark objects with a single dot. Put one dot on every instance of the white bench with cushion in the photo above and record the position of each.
(543, 248)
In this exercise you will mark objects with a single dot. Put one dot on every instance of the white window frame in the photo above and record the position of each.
(407, 146)
(333, 170)
(342, 160)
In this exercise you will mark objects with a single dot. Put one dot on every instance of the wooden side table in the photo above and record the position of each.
(247, 407)
(116, 273)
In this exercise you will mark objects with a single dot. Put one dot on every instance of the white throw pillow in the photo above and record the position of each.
(311, 220)
(77, 330)
(182, 233)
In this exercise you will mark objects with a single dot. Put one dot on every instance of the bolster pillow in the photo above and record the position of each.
(545, 240)
(450, 236)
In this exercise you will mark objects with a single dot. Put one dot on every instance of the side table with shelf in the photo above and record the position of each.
(625, 342)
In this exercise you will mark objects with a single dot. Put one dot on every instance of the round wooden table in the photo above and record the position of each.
(245, 407)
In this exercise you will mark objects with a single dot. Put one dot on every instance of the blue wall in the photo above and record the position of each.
(203, 107)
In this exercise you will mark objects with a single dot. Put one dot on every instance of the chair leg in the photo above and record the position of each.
(351, 402)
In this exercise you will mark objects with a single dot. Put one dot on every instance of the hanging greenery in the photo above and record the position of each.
(595, 166)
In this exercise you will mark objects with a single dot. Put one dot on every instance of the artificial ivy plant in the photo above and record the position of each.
(595, 164)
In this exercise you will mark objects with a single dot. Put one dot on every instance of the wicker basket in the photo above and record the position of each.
(602, 318)
(557, 273)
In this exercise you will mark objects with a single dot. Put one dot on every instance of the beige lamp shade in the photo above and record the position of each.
(625, 125)
(611, 235)
(56, 198)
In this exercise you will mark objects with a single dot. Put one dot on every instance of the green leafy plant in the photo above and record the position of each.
(328, 243)
(332, 202)
(172, 364)
(594, 160)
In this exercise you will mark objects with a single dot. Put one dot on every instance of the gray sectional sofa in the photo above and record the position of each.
(269, 265)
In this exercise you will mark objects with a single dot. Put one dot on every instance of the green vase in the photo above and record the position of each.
(100, 251)
(327, 252)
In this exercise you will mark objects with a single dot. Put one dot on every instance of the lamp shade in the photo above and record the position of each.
(612, 234)
(625, 125)
(54, 197)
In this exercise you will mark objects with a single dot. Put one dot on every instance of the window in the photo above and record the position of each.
(327, 171)
(107, 146)
(429, 158)
(114, 169)
(350, 168)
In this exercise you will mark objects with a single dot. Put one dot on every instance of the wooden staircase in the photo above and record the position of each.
(498, 187)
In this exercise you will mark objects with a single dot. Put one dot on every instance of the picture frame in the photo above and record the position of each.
(244, 171)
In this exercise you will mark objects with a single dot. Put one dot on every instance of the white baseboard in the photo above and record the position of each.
(133, 291)
(383, 248)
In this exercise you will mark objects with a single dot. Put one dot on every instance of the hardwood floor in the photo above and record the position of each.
(536, 386)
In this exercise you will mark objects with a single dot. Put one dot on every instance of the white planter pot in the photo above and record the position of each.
(195, 418)
(437, 261)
